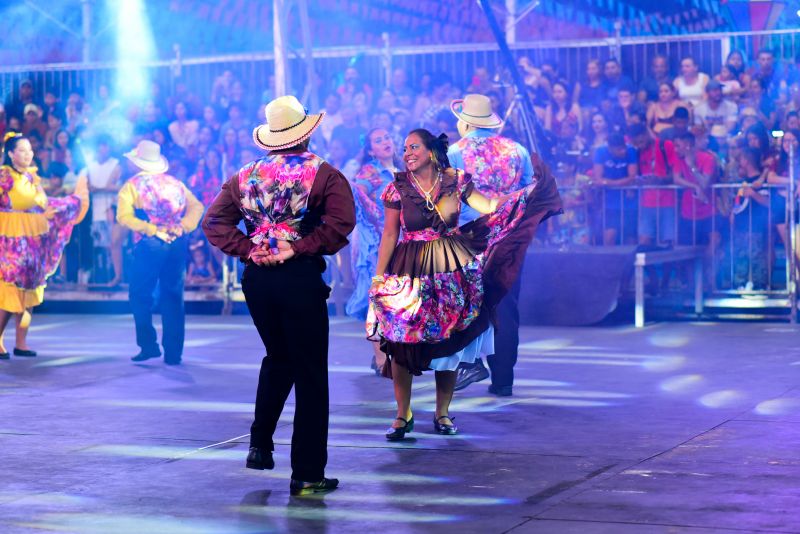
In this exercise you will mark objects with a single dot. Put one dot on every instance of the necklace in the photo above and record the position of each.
(426, 194)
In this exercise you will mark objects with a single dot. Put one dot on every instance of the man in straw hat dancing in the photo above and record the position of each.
(498, 166)
(296, 208)
(169, 211)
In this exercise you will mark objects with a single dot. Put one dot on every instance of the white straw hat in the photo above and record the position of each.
(147, 156)
(476, 110)
(288, 123)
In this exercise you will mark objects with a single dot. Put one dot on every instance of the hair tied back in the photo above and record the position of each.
(443, 141)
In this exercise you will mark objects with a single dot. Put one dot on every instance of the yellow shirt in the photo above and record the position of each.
(166, 201)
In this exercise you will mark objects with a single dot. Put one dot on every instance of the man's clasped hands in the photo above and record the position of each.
(271, 252)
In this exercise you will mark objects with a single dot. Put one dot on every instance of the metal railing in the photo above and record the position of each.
(375, 64)
(743, 239)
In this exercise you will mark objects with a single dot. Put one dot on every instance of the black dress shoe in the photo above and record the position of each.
(444, 429)
(396, 434)
(500, 391)
(260, 459)
(298, 488)
(468, 374)
(143, 356)
(24, 352)
(5, 356)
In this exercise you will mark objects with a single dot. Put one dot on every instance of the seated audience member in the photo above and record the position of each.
(716, 110)
(661, 113)
(627, 110)
(590, 92)
(349, 132)
(728, 77)
(615, 165)
(649, 87)
(183, 130)
(691, 84)
(201, 268)
(680, 125)
(561, 110)
(615, 79)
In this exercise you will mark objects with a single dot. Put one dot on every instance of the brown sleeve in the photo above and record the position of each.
(221, 220)
(332, 196)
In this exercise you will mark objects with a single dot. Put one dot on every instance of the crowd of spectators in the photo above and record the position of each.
(666, 136)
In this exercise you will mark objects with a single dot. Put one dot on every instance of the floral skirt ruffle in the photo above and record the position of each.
(438, 296)
(26, 261)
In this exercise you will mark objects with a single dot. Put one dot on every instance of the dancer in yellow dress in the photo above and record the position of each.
(33, 232)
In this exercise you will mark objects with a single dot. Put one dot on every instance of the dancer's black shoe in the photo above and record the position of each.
(298, 488)
(396, 434)
(260, 459)
(143, 356)
(5, 356)
(445, 429)
(468, 374)
(500, 391)
(26, 353)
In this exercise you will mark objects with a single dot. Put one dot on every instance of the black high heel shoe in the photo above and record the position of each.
(396, 434)
(446, 430)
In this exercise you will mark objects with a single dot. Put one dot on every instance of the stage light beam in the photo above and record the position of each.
(135, 47)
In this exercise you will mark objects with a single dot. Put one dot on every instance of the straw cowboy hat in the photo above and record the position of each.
(288, 123)
(476, 110)
(147, 156)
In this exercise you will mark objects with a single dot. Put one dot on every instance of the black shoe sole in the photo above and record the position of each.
(137, 359)
(5, 356)
(258, 466)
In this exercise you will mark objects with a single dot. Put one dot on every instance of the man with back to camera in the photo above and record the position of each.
(296, 207)
(498, 166)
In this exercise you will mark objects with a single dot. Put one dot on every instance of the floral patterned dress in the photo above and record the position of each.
(31, 243)
(444, 281)
(368, 185)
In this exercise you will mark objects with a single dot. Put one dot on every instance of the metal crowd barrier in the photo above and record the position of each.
(743, 239)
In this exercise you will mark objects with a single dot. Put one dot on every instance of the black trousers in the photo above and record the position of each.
(156, 262)
(506, 338)
(288, 305)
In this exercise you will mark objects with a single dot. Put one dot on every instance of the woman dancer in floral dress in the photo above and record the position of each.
(436, 284)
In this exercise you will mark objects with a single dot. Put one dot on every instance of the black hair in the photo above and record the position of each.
(782, 167)
(752, 155)
(58, 169)
(637, 129)
(437, 146)
(10, 145)
(763, 138)
(616, 140)
(681, 113)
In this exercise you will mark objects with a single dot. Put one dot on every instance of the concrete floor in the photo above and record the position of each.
(678, 427)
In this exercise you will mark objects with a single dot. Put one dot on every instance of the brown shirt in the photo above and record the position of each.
(331, 216)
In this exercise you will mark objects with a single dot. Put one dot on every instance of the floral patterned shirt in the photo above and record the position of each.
(274, 194)
(497, 164)
(164, 201)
